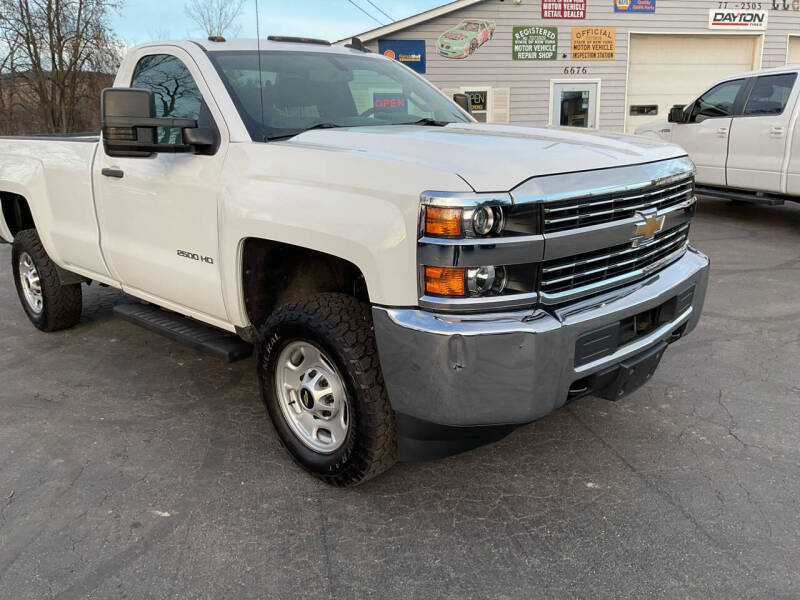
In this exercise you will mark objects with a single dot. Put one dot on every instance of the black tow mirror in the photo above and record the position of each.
(131, 129)
(199, 137)
(463, 101)
(675, 114)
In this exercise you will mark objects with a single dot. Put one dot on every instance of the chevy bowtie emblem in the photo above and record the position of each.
(648, 224)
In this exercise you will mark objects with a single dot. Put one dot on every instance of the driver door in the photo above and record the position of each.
(707, 129)
(158, 214)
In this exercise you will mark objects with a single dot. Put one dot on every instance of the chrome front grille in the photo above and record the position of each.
(592, 210)
(570, 275)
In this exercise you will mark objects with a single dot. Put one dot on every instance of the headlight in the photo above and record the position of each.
(477, 252)
(477, 216)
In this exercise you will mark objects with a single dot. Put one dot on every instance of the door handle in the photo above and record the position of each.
(117, 173)
(777, 131)
(722, 132)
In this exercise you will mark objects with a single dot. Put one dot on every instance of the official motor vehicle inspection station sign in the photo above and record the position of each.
(534, 43)
(593, 43)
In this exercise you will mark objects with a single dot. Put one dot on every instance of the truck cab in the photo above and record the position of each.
(741, 135)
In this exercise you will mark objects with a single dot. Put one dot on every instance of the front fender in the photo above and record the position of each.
(359, 208)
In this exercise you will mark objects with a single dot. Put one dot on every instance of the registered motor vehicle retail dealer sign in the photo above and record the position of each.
(534, 43)
(563, 9)
(737, 20)
(593, 43)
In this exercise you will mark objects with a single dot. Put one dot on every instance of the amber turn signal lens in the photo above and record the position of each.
(444, 281)
(443, 221)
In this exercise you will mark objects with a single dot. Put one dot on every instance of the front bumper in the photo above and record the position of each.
(513, 368)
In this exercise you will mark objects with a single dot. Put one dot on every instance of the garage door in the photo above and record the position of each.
(666, 70)
(793, 56)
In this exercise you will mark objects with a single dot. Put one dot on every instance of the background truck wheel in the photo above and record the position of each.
(49, 305)
(322, 384)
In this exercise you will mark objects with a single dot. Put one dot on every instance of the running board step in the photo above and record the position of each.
(204, 338)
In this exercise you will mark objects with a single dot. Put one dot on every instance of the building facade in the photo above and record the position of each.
(603, 64)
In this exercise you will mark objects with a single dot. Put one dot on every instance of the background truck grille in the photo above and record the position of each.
(565, 274)
(580, 212)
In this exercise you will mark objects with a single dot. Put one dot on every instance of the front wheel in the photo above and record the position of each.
(323, 388)
(49, 305)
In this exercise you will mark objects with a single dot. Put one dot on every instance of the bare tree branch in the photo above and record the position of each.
(215, 17)
(60, 50)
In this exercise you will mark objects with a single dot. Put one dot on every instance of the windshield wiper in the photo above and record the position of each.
(426, 121)
(286, 136)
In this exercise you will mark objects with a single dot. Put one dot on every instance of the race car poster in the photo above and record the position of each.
(464, 40)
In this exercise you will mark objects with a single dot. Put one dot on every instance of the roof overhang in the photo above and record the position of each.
(386, 30)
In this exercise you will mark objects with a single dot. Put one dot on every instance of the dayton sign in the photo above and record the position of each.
(737, 20)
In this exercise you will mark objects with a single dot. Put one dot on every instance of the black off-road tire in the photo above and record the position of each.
(342, 327)
(62, 304)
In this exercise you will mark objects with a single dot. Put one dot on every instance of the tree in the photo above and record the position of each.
(59, 51)
(215, 17)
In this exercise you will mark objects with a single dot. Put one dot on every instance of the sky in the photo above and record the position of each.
(148, 20)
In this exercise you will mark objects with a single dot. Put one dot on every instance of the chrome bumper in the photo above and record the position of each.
(516, 367)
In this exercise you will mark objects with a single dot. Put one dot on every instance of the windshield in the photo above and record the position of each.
(302, 90)
(469, 27)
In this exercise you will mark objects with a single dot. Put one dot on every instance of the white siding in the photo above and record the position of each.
(529, 81)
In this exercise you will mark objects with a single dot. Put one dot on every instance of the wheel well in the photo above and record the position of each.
(16, 212)
(274, 273)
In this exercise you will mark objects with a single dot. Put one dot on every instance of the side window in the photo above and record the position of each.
(770, 94)
(717, 102)
(174, 91)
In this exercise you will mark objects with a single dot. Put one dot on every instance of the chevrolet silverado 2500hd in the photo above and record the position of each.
(415, 283)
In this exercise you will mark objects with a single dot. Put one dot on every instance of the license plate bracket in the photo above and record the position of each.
(633, 373)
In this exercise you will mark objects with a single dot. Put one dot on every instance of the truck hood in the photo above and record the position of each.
(491, 158)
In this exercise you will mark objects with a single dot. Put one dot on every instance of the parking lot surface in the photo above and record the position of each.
(132, 467)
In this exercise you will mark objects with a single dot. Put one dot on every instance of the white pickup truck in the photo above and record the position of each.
(415, 283)
(742, 135)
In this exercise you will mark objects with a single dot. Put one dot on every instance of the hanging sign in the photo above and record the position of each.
(593, 43)
(409, 52)
(635, 6)
(534, 43)
(737, 20)
(563, 9)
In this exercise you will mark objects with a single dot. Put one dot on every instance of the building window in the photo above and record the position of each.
(644, 110)
(480, 104)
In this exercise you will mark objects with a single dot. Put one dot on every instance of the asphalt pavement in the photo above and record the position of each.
(133, 467)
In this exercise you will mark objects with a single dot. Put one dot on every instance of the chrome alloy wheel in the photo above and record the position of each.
(31, 284)
(312, 397)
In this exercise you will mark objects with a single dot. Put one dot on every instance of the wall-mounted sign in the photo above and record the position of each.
(635, 6)
(464, 39)
(534, 43)
(563, 9)
(737, 20)
(593, 43)
(786, 5)
(409, 52)
(477, 100)
(387, 102)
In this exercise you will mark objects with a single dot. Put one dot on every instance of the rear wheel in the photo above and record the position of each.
(49, 305)
(323, 388)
